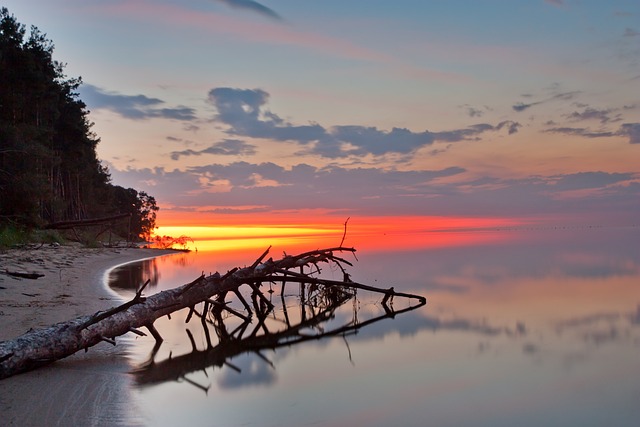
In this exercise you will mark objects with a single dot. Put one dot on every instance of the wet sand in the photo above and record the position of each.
(88, 389)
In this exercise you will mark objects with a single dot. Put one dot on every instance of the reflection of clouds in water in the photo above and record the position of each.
(602, 328)
(464, 325)
(410, 324)
(530, 348)
(560, 254)
(597, 330)
(635, 317)
(586, 265)
(254, 371)
(588, 320)
(504, 263)
(583, 335)
(589, 331)
(599, 337)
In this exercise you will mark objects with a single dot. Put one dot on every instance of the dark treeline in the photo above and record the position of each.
(49, 169)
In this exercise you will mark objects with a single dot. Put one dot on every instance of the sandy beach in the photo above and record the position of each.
(88, 389)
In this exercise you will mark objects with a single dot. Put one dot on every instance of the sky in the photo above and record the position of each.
(241, 111)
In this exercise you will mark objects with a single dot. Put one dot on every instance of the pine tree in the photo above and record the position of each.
(49, 169)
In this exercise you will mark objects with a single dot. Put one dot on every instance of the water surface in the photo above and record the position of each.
(528, 328)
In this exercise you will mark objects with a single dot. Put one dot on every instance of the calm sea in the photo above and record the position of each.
(521, 328)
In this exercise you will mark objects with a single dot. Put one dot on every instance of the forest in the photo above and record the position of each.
(49, 169)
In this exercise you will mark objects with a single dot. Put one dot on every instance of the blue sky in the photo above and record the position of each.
(489, 108)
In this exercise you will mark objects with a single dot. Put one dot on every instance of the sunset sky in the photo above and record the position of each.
(292, 110)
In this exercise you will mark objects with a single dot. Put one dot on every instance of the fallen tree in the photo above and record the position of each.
(104, 223)
(64, 225)
(43, 346)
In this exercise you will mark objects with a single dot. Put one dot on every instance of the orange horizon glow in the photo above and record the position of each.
(252, 232)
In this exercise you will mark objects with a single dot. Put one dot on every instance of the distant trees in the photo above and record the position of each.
(142, 208)
(169, 242)
(49, 170)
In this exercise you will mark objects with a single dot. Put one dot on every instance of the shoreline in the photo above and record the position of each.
(91, 388)
(105, 274)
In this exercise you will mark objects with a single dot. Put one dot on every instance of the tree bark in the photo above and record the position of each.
(43, 346)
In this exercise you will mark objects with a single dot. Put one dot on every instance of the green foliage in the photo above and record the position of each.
(47, 237)
(49, 169)
(11, 236)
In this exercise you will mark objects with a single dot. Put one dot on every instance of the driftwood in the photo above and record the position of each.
(40, 347)
(105, 223)
(21, 275)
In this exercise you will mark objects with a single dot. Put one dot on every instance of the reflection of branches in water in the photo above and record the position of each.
(317, 305)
